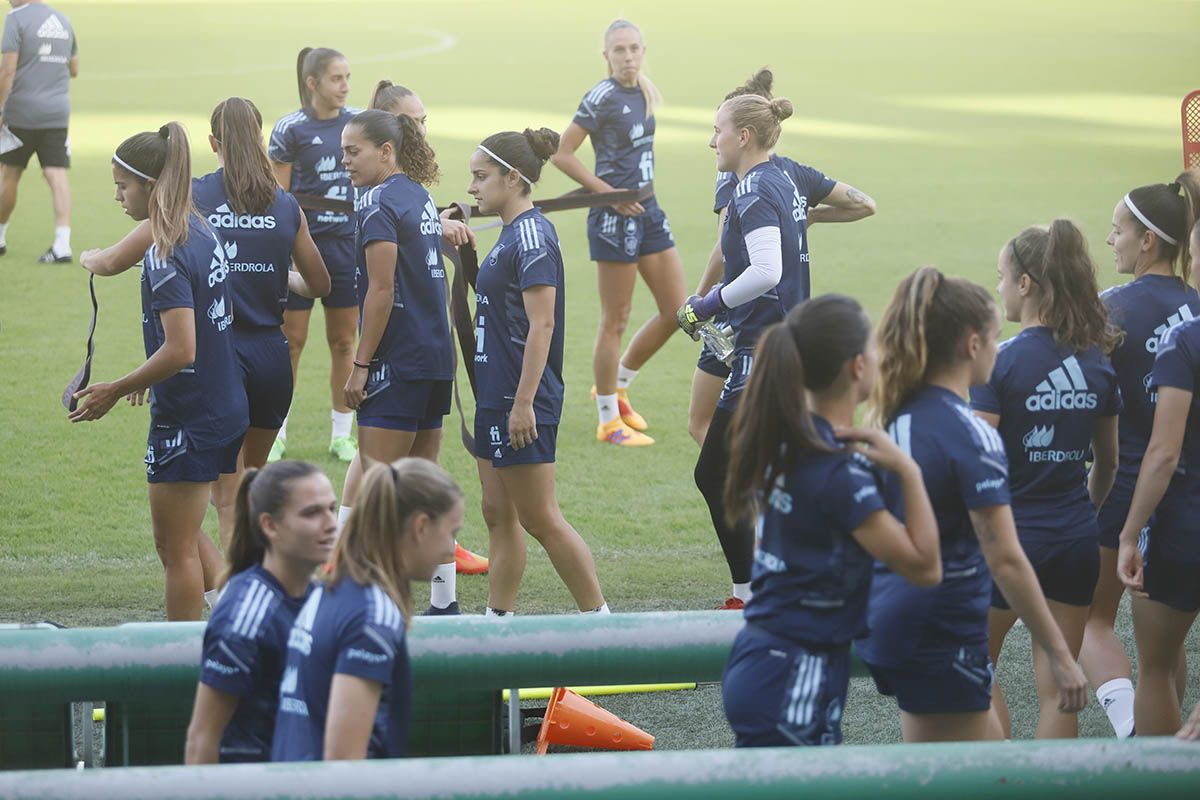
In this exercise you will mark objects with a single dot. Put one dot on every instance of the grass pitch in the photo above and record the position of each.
(966, 122)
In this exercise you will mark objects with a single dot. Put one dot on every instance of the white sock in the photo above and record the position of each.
(625, 376)
(62, 240)
(606, 404)
(742, 592)
(601, 610)
(282, 435)
(211, 597)
(342, 423)
(491, 612)
(443, 590)
(343, 515)
(1116, 696)
(3, 232)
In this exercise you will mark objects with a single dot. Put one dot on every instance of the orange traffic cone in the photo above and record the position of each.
(578, 722)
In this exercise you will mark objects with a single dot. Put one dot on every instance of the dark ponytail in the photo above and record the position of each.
(413, 155)
(1068, 299)
(527, 151)
(387, 95)
(772, 428)
(760, 83)
(249, 182)
(262, 491)
(165, 158)
(1173, 208)
(311, 63)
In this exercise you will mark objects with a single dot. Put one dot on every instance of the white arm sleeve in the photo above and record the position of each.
(764, 272)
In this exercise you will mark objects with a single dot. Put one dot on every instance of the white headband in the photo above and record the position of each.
(504, 163)
(1146, 221)
(141, 174)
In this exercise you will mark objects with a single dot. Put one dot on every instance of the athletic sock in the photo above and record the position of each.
(601, 610)
(606, 404)
(3, 232)
(282, 434)
(443, 590)
(1116, 696)
(495, 612)
(742, 592)
(343, 515)
(625, 376)
(211, 597)
(62, 240)
(342, 423)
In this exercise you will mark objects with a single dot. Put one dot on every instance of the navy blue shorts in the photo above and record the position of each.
(1067, 570)
(1168, 577)
(711, 364)
(262, 356)
(170, 458)
(338, 253)
(491, 441)
(612, 237)
(957, 682)
(735, 381)
(403, 405)
(779, 693)
(1111, 517)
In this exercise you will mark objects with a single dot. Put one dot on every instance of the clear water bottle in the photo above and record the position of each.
(718, 340)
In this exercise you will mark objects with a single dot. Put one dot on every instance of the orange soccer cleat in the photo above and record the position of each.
(468, 563)
(630, 417)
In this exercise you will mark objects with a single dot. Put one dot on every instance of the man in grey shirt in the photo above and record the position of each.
(38, 58)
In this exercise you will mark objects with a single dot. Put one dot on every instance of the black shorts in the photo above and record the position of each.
(1066, 570)
(404, 405)
(1168, 577)
(956, 681)
(262, 357)
(52, 145)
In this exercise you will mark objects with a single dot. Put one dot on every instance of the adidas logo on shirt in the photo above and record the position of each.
(53, 28)
(431, 223)
(223, 217)
(1065, 389)
(1182, 315)
(317, 140)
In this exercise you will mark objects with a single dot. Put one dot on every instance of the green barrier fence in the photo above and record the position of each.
(1161, 768)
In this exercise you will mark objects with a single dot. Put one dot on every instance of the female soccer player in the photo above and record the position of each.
(198, 411)
(518, 368)
(937, 338)
(1161, 575)
(403, 367)
(1156, 300)
(841, 203)
(764, 277)
(305, 153)
(628, 238)
(347, 687)
(286, 527)
(1053, 396)
(822, 519)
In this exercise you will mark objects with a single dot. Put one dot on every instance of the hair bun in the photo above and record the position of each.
(782, 108)
(543, 142)
(165, 132)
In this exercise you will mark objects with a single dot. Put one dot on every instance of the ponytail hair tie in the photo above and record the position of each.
(164, 132)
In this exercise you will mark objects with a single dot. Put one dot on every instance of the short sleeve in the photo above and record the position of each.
(852, 494)
(368, 650)
(980, 466)
(169, 284)
(536, 262)
(281, 148)
(813, 183)
(74, 44)
(229, 662)
(11, 42)
(1174, 366)
(379, 224)
(726, 183)
(987, 396)
(756, 211)
(590, 114)
(1114, 402)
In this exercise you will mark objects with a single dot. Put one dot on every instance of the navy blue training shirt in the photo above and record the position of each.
(622, 135)
(811, 578)
(416, 343)
(813, 185)
(346, 629)
(1145, 309)
(206, 398)
(765, 198)
(963, 464)
(525, 255)
(245, 647)
(314, 149)
(258, 250)
(1050, 402)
